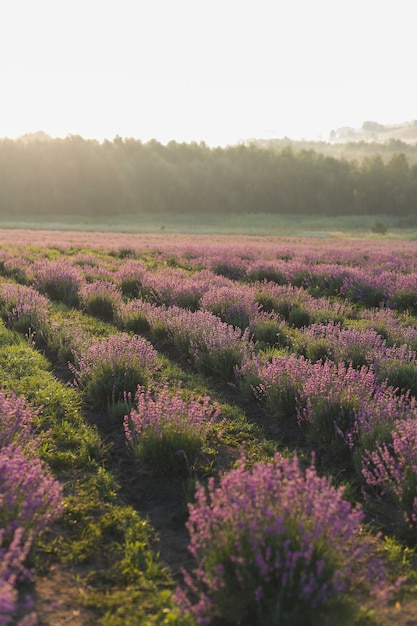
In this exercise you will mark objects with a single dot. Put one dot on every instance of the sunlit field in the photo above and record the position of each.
(263, 224)
(213, 429)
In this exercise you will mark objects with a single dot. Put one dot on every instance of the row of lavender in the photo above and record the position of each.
(340, 375)
(30, 498)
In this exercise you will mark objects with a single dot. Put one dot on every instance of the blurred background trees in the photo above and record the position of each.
(44, 176)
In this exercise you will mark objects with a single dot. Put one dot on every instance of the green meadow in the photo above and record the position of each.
(242, 224)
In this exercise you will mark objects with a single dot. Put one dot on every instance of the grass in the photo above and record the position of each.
(221, 223)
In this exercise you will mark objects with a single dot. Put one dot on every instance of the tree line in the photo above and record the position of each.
(126, 176)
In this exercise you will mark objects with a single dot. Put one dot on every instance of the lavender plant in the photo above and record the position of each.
(101, 299)
(23, 308)
(350, 345)
(276, 382)
(109, 368)
(13, 555)
(269, 330)
(397, 364)
(234, 304)
(30, 499)
(130, 277)
(361, 287)
(213, 346)
(276, 546)
(329, 400)
(403, 295)
(229, 266)
(296, 306)
(18, 269)
(168, 432)
(17, 420)
(59, 280)
(133, 315)
(390, 473)
(174, 286)
(272, 271)
(375, 418)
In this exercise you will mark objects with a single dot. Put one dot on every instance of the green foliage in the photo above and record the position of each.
(66, 442)
(172, 453)
(100, 307)
(270, 333)
(379, 228)
(299, 316)
(313, 349)
(401, 374)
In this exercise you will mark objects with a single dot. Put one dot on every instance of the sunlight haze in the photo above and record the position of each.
(220, 71)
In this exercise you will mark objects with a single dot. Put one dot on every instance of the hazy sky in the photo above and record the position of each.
(218, 71)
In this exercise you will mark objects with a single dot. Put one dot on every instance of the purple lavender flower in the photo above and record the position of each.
(24, 308)
(130, 277)
(59, 280)
(30, 499)
(390, 473)
(101, 299)
(108, 368)
(16, 420)
(275, 541)
(167, 431)
(234, 304)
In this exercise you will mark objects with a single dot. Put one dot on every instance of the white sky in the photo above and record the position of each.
(218, 71)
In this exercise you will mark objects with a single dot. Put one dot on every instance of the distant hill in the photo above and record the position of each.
(356, 144)
(377, 133)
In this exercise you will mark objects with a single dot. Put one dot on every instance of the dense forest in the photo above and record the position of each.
(46, 176)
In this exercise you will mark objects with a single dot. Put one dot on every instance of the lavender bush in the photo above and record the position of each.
(390, 473)
(355, 346)
(174, 286)
(168, 432)
(18, 269)
(23, 308)
(350, 345)
(271, 271)
(13, 555)
(376, 416)
(296, 306)
(59, 280)
(234, 304)
(133, 315)
(276, 382)
(101, 299)
(30, 496)
(130, 277)
(213, 346)
(367, 289)
(109, 368)
(329, 400)
(16, 420)
(30, 499)
(268, 330)
(276, 546)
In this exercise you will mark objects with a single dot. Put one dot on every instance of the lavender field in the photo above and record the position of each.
(207, 430)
